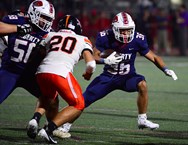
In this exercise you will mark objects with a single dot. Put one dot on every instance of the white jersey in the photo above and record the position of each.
(65, 50)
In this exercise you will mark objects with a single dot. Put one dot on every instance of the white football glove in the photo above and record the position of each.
(113, 59)
(171, 73)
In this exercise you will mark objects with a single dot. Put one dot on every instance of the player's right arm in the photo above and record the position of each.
(102, 53)
(11, 24)
(108, 57)
(87, 55)
(90, 64)
(7, 28)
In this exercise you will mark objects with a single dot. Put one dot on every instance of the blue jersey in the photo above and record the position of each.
(121, 76)
(106, 40)
(15, 58)
(17, 67)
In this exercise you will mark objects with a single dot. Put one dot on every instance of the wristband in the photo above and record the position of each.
(164, 68)
(90, 66)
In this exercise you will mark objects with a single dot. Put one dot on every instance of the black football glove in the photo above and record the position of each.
(24, 29)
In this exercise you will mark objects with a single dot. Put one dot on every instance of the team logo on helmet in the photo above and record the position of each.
(38, 3)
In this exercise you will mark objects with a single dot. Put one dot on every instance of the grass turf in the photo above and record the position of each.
(112, 120)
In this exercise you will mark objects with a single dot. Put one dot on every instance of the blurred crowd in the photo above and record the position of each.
(166, 28)
(164, 23)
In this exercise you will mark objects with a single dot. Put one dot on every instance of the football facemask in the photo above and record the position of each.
(42, 14)
(123, 27)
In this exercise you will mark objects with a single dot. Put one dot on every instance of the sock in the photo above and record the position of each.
(142, 116)
(51, 127)
(37, 116)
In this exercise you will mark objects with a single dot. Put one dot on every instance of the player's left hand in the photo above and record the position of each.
(24, 29)
(87, 76)
(171, 73)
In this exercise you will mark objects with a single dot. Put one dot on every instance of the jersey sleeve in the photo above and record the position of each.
(14, 19)
(143, 44)
(88, 45)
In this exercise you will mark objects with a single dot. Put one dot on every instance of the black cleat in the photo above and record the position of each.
(43, 134)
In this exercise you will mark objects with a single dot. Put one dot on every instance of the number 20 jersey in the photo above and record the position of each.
(65, 50)
(106, 40)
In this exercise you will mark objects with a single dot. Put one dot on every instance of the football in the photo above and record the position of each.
(106, 53)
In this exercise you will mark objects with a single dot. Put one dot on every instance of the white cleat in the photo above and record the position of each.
(66, 127)
(144, 123)
(32, 129)
(59, 132)
(44, 135)
(63, 131)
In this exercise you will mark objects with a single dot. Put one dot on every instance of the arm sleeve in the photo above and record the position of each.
(143, 45)
(87, 45)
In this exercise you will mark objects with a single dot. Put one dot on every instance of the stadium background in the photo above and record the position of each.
(96, 15)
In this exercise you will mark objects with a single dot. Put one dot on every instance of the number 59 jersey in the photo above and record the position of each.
(65, 50)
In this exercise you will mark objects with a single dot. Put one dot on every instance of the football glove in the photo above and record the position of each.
(171, 73)
(24, 29)
(113, 59)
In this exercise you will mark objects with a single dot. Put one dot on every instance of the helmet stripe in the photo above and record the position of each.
(67, 20)
(51, 9)
(125, 19)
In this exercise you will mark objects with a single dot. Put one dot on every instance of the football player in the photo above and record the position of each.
(119, 67)
(55, 73)
(24, 31)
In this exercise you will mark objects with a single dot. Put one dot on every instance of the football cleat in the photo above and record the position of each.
(32, 129)
(44, 135)
(59, 132)
(144, 123)
(65, 127)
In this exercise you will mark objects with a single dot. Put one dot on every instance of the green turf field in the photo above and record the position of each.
(112, 120)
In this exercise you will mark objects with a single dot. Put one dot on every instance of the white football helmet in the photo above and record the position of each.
(42, 14)
(123, 21)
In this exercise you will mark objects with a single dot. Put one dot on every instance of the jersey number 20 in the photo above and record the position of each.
(66, 44)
